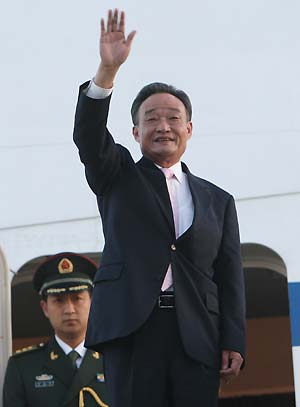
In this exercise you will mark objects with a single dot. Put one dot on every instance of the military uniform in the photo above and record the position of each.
(43, 376)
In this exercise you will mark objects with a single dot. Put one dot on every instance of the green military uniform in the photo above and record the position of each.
(44, 377)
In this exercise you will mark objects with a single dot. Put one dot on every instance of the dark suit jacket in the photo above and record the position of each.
(140, 242)
(44, 377)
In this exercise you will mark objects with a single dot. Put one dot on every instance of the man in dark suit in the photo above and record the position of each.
(61, 372)
(168, 306)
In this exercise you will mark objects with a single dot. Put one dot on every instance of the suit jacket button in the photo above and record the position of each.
(173, 247)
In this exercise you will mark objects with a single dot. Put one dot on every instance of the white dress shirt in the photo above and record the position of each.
(96, 92)
(80, 349)
(181, 189)
(184, 203)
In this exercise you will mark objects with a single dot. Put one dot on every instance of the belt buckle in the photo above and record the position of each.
(160, 305)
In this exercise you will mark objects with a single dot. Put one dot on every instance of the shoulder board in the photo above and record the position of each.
(29, 349)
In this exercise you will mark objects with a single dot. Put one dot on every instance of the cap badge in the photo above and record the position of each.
(65, 266)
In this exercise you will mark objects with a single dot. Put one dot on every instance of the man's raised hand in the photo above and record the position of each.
(114, 47)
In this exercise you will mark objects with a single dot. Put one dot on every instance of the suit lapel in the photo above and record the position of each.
(90, 366)
(200, 193)
(157, 183)
(58, 363)
(201, 199)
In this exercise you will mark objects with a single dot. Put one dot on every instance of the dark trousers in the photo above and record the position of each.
(151, 369)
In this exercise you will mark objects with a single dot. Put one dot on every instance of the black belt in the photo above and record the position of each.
(166, 300)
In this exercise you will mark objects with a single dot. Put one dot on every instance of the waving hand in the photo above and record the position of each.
(114, 47)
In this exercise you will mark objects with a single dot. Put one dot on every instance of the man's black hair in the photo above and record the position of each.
(159, 87)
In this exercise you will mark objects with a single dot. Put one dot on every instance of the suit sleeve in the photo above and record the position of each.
(229, 277)
(14, 394)
(99, 153)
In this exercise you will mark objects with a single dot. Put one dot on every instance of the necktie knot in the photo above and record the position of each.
(73, 355)
(168, 172)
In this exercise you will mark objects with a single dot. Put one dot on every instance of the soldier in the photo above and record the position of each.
(61, 372)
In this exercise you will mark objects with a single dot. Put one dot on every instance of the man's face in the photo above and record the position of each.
(68, 314)
(163, 129)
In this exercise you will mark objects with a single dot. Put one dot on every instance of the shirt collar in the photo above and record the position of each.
(177, 169)
(67, 349)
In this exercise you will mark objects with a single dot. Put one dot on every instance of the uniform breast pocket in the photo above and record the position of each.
(109, 272)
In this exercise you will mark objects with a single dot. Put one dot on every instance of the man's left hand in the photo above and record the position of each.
(231, 365)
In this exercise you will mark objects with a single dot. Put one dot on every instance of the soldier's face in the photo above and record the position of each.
(68, 314)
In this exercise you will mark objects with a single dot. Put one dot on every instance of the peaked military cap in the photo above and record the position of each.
(64, 273)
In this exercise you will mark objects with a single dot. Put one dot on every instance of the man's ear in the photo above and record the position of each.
(44, 307)
(135, 132)
(190, 129)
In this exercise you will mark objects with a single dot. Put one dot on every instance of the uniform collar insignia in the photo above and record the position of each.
(96, 355)
(53, 356)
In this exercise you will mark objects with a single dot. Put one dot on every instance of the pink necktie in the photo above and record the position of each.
(169, 174)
